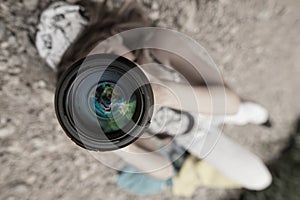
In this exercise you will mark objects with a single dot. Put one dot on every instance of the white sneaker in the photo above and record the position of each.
(248, 113)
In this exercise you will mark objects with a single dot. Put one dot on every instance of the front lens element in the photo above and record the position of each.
(112, 108)
(104, 102)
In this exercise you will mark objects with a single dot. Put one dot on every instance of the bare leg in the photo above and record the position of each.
(153, 163)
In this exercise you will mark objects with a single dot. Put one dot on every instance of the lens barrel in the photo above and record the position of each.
(104, 102)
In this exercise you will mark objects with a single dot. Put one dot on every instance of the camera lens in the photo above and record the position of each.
(113, 111)
(104, 102)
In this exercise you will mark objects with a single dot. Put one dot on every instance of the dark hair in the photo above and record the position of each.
(103, 23)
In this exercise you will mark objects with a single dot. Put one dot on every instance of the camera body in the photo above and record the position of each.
(104, 102)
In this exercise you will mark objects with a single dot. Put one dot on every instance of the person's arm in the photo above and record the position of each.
(211, 100)
(194, 95)
(153, 163)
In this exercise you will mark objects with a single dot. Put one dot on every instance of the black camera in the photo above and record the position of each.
(104, 102)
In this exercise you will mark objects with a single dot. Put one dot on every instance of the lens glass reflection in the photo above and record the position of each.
(113, 109)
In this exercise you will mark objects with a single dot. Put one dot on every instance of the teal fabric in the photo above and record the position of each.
(134, 182)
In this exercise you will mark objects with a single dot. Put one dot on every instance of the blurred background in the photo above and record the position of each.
(256, 45)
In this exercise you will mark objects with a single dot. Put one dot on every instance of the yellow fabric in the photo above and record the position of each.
(195, 173)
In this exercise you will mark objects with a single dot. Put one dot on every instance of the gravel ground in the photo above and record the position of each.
(255, 43)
